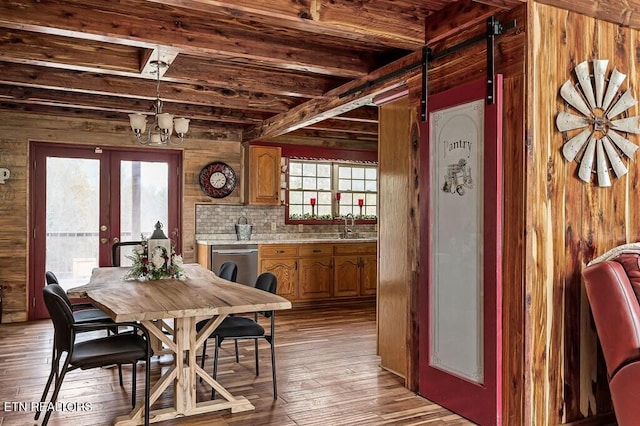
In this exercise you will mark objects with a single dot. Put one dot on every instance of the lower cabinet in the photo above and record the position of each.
(282, 261)
(321, 271)
(316, 277)
(356, 274)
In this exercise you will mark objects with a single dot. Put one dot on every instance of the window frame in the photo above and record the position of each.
(334, 167)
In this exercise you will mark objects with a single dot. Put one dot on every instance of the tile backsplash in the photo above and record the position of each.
(218, 221)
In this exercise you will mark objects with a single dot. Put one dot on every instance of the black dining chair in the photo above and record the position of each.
(238, 328)
(228, 271)
(124, 348)
(115, 250)
(82, 312)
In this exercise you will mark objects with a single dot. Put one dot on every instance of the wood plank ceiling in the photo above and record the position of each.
(254, 68)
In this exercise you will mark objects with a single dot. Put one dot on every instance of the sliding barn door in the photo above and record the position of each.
(460, 289)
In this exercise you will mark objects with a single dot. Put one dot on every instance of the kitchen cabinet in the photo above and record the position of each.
(321, 271)
(355, 270)
(262, 175)
(282, 261)
(316, 271)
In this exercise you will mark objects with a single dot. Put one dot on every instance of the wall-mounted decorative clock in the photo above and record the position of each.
(217, 179)
(596, 138)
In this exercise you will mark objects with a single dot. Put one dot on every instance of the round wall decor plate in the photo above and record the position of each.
(217, 179)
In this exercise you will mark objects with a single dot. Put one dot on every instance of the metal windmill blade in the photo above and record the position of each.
(627, 147)
(629, 125)
(566, 121)
(614, 159)
(573, 98)
(599, 70)
(584, 78)
(625, 102)
(615, 81)
(575, 144)
(602, 170)
(586, 164)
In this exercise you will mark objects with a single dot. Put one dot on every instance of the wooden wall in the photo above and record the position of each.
(397, 228)
(16, 130)
(569, 222)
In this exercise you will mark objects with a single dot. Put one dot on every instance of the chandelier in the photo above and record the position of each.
(159, 133)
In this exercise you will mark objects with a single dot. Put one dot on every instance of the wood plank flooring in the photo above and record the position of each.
(328, 374)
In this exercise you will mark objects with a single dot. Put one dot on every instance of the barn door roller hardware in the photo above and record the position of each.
(494, 28)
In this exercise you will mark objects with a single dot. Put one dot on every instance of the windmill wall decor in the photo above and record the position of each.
(596, 138)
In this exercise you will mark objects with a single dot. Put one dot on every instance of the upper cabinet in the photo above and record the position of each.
(262, 175)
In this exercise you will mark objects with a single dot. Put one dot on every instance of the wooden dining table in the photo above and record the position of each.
(154, 304)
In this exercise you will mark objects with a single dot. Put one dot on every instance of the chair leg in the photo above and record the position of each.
(147, 381)
(256, 350)
(56, 390)
(215, 366)
(236, 344)
(55, 365)
(204, 353)
(273, 368)
(133, 383)
(120, 373)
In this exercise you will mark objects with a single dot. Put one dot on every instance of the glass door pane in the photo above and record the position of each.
(72, 217)
(144, 200)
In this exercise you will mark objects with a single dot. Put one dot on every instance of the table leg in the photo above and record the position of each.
(183, 376)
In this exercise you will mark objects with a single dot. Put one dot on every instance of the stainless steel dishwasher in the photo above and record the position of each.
(244, 255)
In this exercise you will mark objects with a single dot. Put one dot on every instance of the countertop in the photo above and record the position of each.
(270, 240)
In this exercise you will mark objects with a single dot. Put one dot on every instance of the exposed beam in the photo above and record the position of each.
(455, 18)
(317, 110)
(184, 33)
(83, 82)
(395, 24)
(623, 12)
(367, 114)
(333, 125)
(83, 101)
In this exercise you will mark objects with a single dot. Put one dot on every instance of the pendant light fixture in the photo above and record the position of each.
(160, 131)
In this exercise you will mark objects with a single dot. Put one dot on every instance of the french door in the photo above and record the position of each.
(461, 261)
(85, 199)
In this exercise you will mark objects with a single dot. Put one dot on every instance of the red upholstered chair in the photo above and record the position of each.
(613, 285)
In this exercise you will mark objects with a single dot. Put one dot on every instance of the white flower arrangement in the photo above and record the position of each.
(156, 265)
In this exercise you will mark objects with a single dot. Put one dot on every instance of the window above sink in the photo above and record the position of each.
(322, 190)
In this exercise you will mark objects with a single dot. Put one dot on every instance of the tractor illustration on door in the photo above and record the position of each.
(458, 178)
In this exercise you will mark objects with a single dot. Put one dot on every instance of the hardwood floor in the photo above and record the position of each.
(328, 374)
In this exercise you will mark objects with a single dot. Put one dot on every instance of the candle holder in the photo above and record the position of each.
(312, 201)
(360, 204)
(338, 196)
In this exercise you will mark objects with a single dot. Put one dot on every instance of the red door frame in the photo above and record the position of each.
(479, 403)
(109, 202)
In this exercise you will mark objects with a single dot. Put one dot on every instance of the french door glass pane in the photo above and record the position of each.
(144, 189)
(72, 212)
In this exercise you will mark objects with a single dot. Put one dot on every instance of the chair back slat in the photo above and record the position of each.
(61, 315)
(228, 271)
(267, 282)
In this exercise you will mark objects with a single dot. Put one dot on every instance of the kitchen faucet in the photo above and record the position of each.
(348, 228)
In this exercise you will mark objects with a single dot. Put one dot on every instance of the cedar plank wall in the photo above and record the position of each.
(570, 222)
(470, 65)
(16, 130)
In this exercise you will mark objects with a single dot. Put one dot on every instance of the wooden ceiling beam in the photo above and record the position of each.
(622, 12)
(339, 100)
(153, 28)
(200, 130)
(367, 114)
(395, 24)
(248, 78)
(355, 127)
(455, 18)
(83, 82)
(37, 96)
